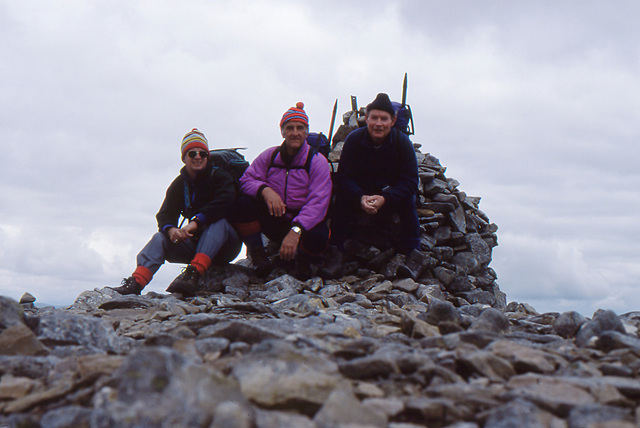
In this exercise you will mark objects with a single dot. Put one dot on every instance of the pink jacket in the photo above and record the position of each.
(307, 193)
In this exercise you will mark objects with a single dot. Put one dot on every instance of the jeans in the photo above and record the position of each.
(219, 241)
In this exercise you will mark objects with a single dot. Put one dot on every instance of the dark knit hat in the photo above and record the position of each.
(382, 102)
(296, 114)
(192, 140)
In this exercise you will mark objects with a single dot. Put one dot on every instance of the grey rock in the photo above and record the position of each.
(237, 331)
(67, 417)
(277, 375)
(11, 313)
(568, 323)
(69, 329)
(491, 320)
(27, 298)
(342, 408)
(279, 419)
(590, 415)
(440, 311)
(515, 414)
(601, 322)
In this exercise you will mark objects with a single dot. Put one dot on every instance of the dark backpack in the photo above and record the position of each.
(230, 161)
(404, 118)
(320, 142)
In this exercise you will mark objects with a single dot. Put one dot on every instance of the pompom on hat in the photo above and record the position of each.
(295, 114)
(382, 102)
(194, 139)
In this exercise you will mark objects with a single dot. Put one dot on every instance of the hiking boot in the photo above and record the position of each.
(128, 286)
(333, 266)
(186, 283)
(260, 261)
(413, 266)
(302, 269)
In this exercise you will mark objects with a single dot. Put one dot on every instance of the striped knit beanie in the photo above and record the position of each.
(192, 140)
(296, 114)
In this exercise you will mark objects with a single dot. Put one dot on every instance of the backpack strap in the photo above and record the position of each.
(307, 164)
(272, 163)
(312, 152)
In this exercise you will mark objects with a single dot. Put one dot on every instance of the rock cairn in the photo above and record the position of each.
(457, 238)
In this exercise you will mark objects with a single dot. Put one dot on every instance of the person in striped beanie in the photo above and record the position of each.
(285, 194)
(204, 197)
(194, 139)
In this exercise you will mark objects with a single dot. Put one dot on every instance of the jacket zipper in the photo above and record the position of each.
(286, 184)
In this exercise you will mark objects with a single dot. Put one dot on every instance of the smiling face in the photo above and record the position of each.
(294, 134)
(195, 160)
(379, 124)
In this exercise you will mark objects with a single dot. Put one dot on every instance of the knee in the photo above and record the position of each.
(159, 238)
(245, 209)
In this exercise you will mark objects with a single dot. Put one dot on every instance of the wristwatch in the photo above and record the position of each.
(297, 229)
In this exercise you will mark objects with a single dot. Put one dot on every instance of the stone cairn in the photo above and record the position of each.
(365, 350)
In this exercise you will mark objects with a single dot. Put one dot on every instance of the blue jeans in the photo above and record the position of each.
(218, 240)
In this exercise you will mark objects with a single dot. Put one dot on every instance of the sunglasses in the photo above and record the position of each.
(195, 153)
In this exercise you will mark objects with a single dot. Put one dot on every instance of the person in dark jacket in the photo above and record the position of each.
(377, 179)
(283, 199)
(203, 197)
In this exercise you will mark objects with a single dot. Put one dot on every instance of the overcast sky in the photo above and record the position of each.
(533, 106)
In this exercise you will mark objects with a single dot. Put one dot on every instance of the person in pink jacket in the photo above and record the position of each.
(285, 194)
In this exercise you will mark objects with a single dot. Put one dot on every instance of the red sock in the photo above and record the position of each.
(201, 262)
(142, 275)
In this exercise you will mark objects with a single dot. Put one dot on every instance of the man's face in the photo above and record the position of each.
(379, 124)
(195, 160)
(294, 134)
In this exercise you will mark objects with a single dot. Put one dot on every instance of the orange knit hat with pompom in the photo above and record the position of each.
(296, 114)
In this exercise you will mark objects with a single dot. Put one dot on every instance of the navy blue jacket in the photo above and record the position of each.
(390, 170)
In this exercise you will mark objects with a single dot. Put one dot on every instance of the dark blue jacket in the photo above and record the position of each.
(390, 170)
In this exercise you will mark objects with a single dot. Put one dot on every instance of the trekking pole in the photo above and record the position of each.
(404, 91)
(333, 119)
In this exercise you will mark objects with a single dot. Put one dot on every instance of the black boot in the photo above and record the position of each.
(186, 283)
(259, 260)
(413, 266)
(128, 286)
(304, 267)
(333, 266)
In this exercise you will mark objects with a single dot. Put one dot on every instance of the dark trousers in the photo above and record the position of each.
(395, 225)
(252, 211)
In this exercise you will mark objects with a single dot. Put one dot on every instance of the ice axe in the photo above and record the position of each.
(333, 120)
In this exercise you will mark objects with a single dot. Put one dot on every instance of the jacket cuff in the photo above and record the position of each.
(165, 228)
(260, 189)
(199, 218)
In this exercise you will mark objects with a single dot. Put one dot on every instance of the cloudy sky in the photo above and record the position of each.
(533, 106)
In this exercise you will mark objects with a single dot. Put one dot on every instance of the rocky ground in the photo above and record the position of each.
(353, 347)
(353, 352)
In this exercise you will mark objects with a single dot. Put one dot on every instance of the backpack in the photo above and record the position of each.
(403, 118)
(320, 142)
(230, 161)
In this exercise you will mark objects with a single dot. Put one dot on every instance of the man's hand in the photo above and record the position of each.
(289, 246)
(371, 204)
(274, 203)
(178, 235)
